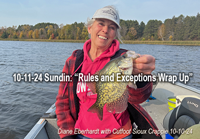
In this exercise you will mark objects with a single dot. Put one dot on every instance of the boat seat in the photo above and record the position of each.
(182, 117)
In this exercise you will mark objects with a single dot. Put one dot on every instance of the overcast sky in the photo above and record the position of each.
(19, 12)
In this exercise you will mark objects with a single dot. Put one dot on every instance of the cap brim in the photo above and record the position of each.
(108, 19)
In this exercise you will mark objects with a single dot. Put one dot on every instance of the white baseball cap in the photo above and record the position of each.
(108, 12)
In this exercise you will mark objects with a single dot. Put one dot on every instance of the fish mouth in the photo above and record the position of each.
(125, 65)
(102, 37)
(132, 54)
(124, 68)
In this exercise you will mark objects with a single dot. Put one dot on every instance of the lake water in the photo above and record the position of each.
(22, 103)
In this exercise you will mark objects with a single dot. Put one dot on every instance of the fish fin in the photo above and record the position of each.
(132, 85)
(120, 104)
(92, 86)
(95, 109)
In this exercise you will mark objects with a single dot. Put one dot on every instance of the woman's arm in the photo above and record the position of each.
(65, 121)
(139, 95)
(145, 64)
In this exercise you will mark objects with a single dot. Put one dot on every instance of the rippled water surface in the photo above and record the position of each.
(22, 104)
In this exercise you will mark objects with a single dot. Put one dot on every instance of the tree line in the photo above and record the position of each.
(177, 28)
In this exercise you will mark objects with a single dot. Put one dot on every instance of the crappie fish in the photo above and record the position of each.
(113, 94)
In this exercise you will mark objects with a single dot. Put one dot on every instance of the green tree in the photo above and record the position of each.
(168, 29)
(151, 29)
(131, 33)
(42, 33)
(179, 28)
(4, 35)
(188, 27)
(84, 34)
(78, 34)
(11, 30)
(15, 35)
(44, 25)
(196, 31)
(141, 29)
(124, 28)
(134, 24)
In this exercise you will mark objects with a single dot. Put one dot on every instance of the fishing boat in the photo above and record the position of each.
(160, 109)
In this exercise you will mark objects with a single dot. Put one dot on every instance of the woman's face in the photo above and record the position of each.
(103, 32)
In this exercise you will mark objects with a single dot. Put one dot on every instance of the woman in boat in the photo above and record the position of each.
(73, 119)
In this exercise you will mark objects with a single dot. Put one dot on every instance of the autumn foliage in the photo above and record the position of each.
(177, 28)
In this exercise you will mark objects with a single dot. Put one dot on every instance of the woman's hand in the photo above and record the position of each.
(144, 64)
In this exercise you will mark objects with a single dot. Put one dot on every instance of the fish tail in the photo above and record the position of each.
(95, 109)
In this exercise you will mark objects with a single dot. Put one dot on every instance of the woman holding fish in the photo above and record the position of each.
(104, 109)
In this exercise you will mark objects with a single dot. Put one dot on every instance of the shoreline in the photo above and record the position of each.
(187, 43)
